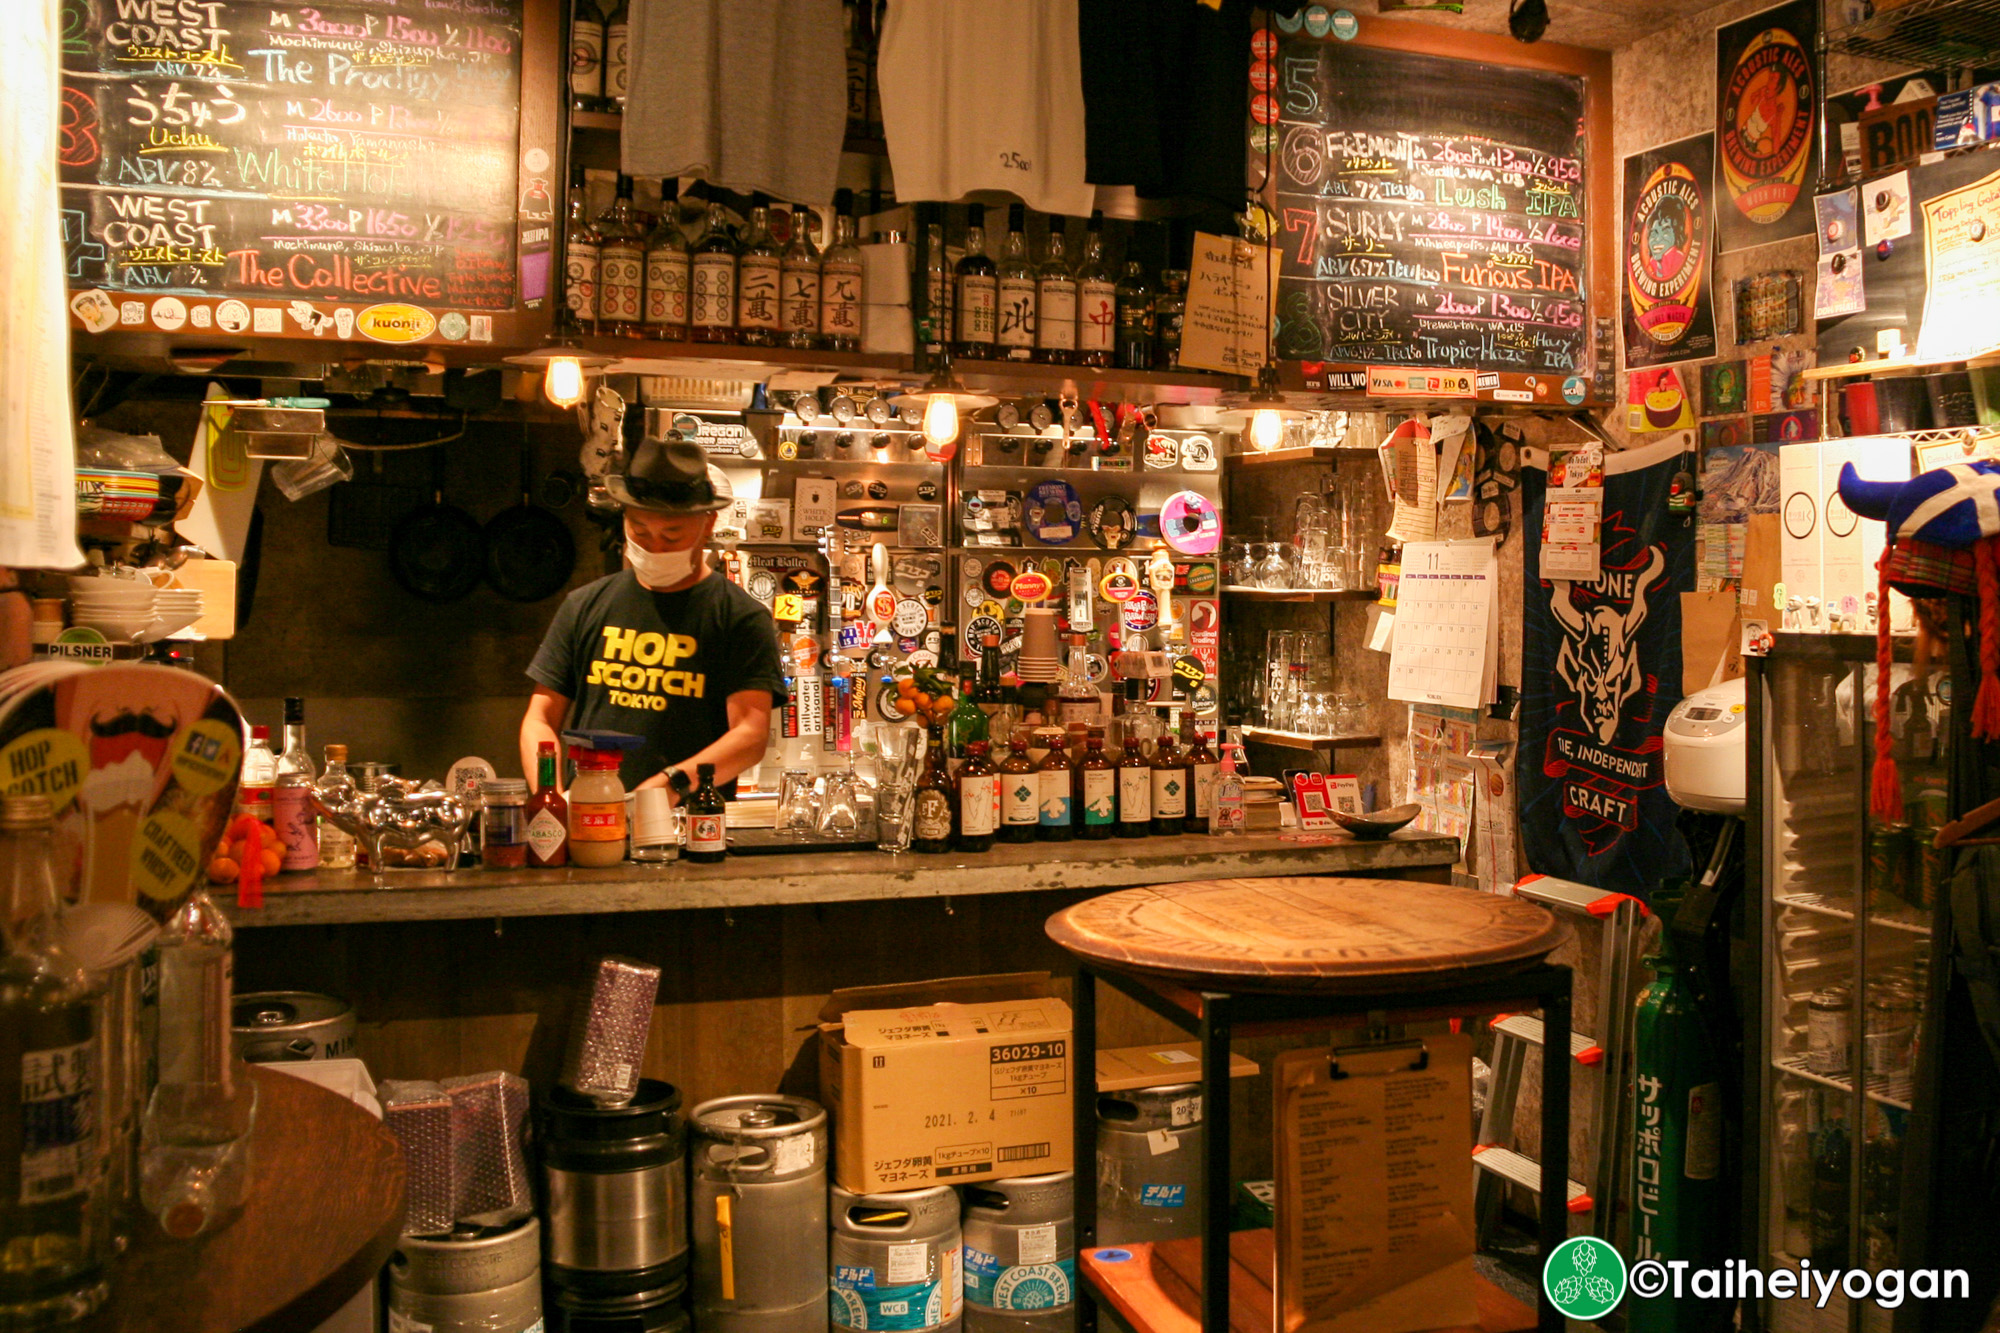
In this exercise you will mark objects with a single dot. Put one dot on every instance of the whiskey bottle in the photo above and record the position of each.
(712, 281)
(1096, 300)
(798, 302)
(937, 291)
(621, 266)
(1055, 302)
(667, 270)
(1169, 313)
(582, 244)
(758, 269)
(1135, 319)
(978, 290)
(586, 56)
(840, 282)
(617, 44)
(1014, 320)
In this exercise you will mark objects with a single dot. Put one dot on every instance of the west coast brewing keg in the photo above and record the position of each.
(1020, 1255)
(659, 1310)
(489, 1282)
(1149, 1143)
(896, 1261)
(617, 1216)
(759, 1191)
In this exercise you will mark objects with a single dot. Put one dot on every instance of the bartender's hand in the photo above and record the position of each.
(663, 778)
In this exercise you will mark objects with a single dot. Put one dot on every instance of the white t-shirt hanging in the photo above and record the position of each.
(985, 95)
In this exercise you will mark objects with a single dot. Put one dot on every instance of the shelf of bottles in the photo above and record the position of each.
(1850, 899)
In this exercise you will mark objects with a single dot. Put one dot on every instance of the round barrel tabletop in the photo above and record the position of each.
(1358, 936)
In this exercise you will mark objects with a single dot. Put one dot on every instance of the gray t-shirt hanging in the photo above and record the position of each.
(746, 94)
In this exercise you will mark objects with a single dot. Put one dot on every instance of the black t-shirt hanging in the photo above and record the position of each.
(1166, 95)
(661, 665)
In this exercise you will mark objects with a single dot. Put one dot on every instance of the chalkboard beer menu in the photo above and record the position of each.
(1431, 212)
(349, 169)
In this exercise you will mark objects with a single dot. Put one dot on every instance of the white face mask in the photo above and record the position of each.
(661, 569)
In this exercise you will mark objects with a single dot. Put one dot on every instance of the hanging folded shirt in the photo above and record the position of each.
(985, 95)
(745, 94)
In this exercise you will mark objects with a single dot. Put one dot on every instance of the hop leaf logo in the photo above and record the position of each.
(1584, 1278)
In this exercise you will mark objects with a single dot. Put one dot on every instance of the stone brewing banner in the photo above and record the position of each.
(1600, 670)
(1669, 236)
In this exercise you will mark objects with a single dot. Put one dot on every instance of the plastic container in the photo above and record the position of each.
(597, 828)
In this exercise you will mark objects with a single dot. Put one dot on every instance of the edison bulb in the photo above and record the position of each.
(1266, 428)
(562, 382)
(941, 420)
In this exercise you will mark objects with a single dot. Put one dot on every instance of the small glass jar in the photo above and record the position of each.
(503, 826)
(597, 827)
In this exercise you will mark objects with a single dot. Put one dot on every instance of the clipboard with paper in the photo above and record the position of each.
(1374, 1198)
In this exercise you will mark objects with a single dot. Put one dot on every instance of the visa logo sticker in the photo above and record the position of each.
(395, 323)
(1163, 1196)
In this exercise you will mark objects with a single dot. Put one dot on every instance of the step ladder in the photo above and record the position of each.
(1514, 1035)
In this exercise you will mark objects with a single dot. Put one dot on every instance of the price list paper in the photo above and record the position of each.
(1447, 634)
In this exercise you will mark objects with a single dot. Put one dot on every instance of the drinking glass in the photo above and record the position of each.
(195, 1154)
(1277, 666)
(894, 807)
(798, 803)
(840, 810)
(1274, 569)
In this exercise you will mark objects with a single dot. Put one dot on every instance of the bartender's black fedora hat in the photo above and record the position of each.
(670, 476)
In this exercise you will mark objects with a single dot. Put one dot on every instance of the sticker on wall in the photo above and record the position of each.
(1765, 103)
(1656, 401)
(1668, 305)
(1190, 524)
(1052, 512)
(169, 313)
(1885, 209)
(1722, 388)
(395, 323)
(97, 310)
(1112, 526)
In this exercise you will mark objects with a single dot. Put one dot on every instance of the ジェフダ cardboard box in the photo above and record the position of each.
(947, 1082)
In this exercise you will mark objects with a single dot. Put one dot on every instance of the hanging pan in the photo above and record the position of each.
(529, 551)
(437, 551)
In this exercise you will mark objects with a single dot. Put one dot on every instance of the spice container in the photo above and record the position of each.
(503, 825)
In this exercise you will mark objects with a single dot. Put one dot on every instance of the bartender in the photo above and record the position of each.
(667, 648)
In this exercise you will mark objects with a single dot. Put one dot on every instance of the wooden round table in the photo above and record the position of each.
(324, 1210)
(1376, 936)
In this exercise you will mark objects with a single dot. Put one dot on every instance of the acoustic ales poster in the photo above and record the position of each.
(1600, 671)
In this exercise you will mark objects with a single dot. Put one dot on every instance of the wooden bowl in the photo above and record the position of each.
(1376, 823)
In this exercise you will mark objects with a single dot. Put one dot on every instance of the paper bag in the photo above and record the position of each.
(1711, 638)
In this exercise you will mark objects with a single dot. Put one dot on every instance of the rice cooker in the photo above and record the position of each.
(1707, 751)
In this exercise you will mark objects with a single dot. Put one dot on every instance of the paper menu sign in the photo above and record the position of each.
(1228, 305)
(1410, 474)
(1573, 514)
(1352, 1257)
(1962, 268)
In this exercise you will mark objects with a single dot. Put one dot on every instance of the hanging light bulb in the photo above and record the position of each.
(562, 382)
(1267, 429)
(941, 419)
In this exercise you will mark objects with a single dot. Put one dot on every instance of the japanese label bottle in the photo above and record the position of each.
(1135, 790)
(1020, 792)
(1095, 790)
(1058, 790)
(707, 819)
(978, 800)
(597, 810)
(1170, 789)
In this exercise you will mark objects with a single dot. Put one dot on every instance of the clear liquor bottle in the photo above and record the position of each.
(336, 844)
(54, 1204)
(667, 270)
(937, 290)
(1169, 313)
(582, 245)
(1096, 300)
(798, 303)
(840, 282)
(291, 798)
(978, 290)
(1055, 301)
(1014, 320)
(621, 265)
(712, 281)
(758, 268)
(1135, 318)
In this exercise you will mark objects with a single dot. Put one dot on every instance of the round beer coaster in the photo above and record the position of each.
(1052, 512)
(1112, 526)
(1190, 524)
(910, 617)
(1140, 611)
(999, 577)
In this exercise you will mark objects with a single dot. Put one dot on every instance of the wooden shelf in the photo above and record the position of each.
(1301, 595)
(738, 362)
(1105, 383)
(1854, 369)
(613, 122)
(1310, 453)
(1299, 740)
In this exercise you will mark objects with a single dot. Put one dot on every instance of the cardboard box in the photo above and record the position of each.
(1128, 1067)
(1828, 554)
(947, 1082)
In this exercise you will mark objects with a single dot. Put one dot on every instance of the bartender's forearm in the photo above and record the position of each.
(733, 753)
(542, 723)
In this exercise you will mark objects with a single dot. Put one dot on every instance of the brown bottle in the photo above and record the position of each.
(1170, 790)
(1135, 792)
(1202, 769)
(1020, 792)
(935, 798)
(1094, 795)
(1058, 789)
(546, 815)
(978, 799)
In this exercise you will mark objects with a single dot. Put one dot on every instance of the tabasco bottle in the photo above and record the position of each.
(1020, 792)
(931, 824)
(978, 799)
(1170, 789)
(1095, 791)
(547, 814)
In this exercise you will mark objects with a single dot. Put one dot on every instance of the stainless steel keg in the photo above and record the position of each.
(896, 1262)
(1020, 1255)
(488, 1282)
(616, 1176)
(658, 1310)
(291, 1025)
(1149, 1145)
(758, 1183)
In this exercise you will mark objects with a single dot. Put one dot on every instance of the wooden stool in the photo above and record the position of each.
(1278, 956)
